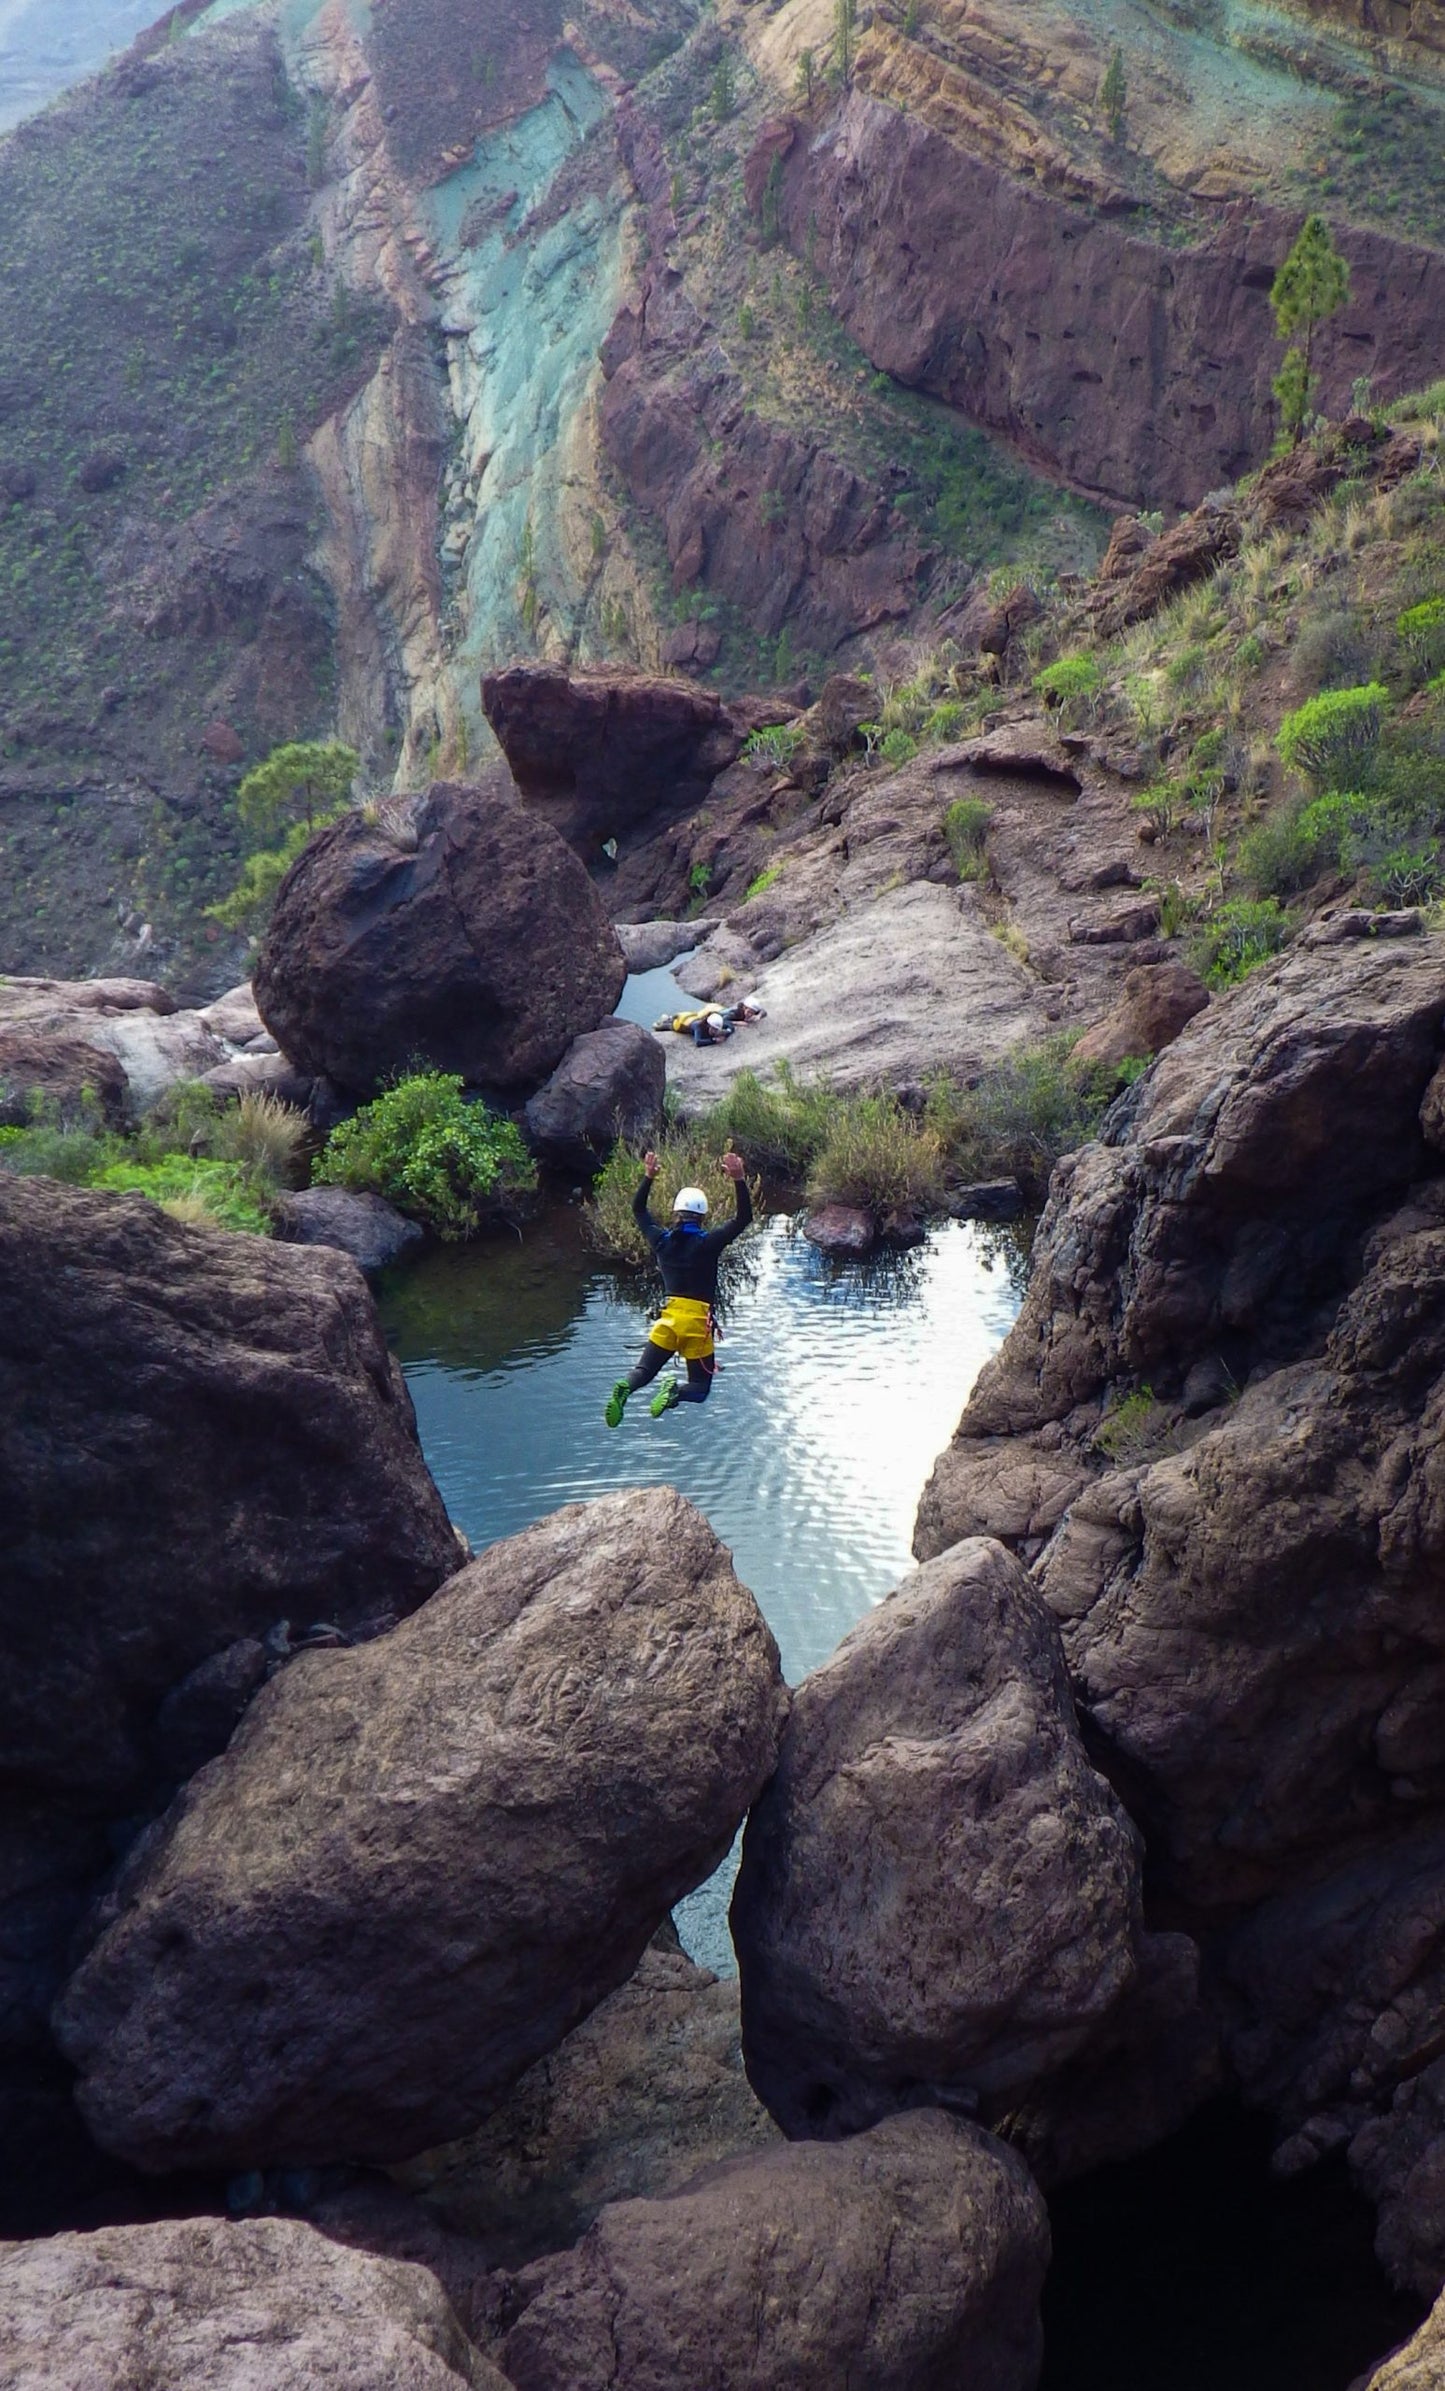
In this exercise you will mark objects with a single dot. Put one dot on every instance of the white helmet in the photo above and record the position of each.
(692, 1202)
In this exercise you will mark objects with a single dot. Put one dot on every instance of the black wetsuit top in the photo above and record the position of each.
(689, 1258)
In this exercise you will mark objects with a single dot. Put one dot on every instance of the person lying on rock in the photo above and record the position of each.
(688, 1255)
(710, 1027)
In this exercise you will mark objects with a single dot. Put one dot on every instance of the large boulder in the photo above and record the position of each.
(421, 1862)
(460, 931)
(263, 2305)
(1156, 1002)
(908, 2258)
(599, 752)
(130, 1024)
(608, 1085)
(199, 1435)
(354, 1220)
(59, 1075)
(938, 1895)
(642, 2094)
(1216, 1429)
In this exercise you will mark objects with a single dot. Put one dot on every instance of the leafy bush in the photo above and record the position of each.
(898, 748)
(1332, 738)
(47, 1149)
(1238, 937)
(1071, 678)
(966, 827)
(193, 1188)
(1333, 650)
(878, 1156)
(688, 1157)
(764, 880)
(779, 1127)
(1408, 876)
(776, 745)
(444, 1161)
(1160, 805)
(946, 720)
(1022, 1115)
(1421, 630)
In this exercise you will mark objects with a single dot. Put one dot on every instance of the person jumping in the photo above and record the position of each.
(688, 1256)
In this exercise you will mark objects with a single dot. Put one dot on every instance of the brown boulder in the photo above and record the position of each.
(1156, 1002)
(937, 1894)
(199, 1434)
(354, 1220)
(599, 752)
(63, 1075)
(1196, 546)
(643, 2093)
(608, 1085)
(907, 2258)
(468, 937)
(264, 2305)
(841, 1229)
(421, 1862)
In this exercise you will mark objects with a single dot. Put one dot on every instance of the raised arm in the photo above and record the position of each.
(742, 1218)
(640, 1212)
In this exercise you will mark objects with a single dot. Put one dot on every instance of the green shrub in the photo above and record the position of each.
(249, 906)
(1332, 738)
(444, 1161)
(777, 745)
(1020, 1116)
(947, 720)
(779, 1127)
(898, 748)
(48, 1149)
(1238, 937)
(1408, 876)
(194, 1188)
(1334, 650)
(1072, 678)
(1160, 805)
(765, 879)
(1421, 630)
(966, 827)
(880, 1157)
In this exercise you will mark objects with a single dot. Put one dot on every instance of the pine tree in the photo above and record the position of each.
(1113, 94)
(1313, 283)
(843, 23)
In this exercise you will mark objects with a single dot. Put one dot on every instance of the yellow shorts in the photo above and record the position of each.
(685, 1327)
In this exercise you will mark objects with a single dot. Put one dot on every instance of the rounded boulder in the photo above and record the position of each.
(456, 929)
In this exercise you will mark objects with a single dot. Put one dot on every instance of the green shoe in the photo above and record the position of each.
(664, 1399)
(616, 1404)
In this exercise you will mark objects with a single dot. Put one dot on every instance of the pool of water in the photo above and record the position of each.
(838, 1386)
(647, 995)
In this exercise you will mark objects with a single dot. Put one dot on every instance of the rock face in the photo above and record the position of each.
(1248, 1583)
(971, 281)
(421, 1862)
(466, 933)
(365, 1226)
(265, 2305)
(597, 753)
(907, 2257)
(938, 1897)
(643, 2093)
(609, 1084)
(1420, 2365)
(198, 1436)
(137, 1040)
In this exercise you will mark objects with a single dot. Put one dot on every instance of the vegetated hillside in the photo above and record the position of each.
(167, 337)
(1089, 274)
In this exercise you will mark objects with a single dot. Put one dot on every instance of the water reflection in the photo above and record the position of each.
(838, 1387)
